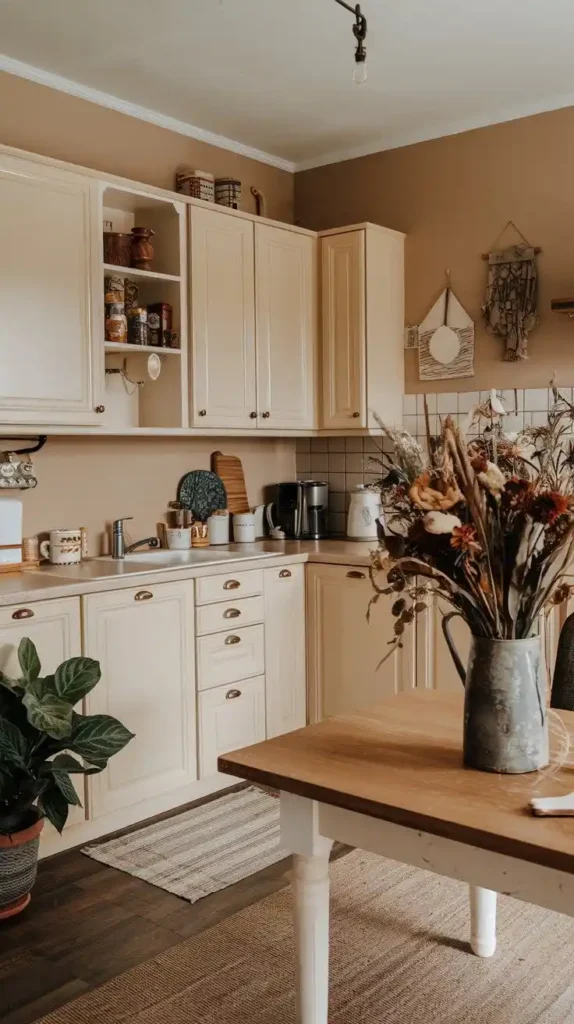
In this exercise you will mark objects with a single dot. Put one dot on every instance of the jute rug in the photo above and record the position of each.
(399, 955)
(202, 850)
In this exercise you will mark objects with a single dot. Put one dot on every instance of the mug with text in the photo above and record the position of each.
(64, 547)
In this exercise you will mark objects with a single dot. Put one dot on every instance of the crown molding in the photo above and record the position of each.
(104, 99)
(397, 139)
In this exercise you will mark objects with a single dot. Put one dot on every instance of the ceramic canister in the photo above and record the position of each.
(244, 527)
(64, 547)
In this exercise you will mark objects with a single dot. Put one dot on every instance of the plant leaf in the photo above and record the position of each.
(12, 743)
(97, 737)
(69, 763)
(29, 660)
(49, 714)
(66, 786)
(76, 677)
(54, 805)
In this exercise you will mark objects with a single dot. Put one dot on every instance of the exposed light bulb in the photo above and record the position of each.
(360, 72)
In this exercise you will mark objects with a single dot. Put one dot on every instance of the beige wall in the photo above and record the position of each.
(45, 121)
(452, 197)
(88, 481)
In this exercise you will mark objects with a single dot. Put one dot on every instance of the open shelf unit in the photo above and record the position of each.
(162, 403)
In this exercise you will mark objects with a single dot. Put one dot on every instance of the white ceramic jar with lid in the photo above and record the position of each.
(364, 511)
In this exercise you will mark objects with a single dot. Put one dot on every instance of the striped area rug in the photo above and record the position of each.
(202, 850)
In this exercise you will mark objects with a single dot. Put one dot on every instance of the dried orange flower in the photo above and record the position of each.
(464, 539)
(548, 506)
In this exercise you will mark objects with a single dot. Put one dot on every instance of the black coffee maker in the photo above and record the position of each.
(300, 509)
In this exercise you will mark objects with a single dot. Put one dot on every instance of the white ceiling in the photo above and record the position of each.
(275, 75)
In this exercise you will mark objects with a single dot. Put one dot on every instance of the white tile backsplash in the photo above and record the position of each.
(410, 405)
(447, 402)
(467, 400)
(536, 399)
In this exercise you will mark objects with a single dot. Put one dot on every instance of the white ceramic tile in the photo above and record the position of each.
(409, 405)
(514, 424)
(373, 445)
(539, 419)
(536, 399)
(319, 444)
(336, 462)
(565, 393)
(484, 396)
(303, 463)
(431, 402)
(354, 444)
(527, 419)
(421, 426)
(467, 399)
(354, 463)
(337, 482)
(388, 445)
(336, 501)
(353, 480)
(336, 444)
(512, 400)
(319, 462)
(303, 444)
(410, 424)
(372, 478)
(447, 402)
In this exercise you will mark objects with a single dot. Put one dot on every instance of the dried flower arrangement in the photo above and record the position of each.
(485, 522)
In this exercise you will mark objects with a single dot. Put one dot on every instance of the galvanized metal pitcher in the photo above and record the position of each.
(505, 719)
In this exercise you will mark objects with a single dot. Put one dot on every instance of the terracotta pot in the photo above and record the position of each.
(142, 249)
(118, 248)
(18, 868)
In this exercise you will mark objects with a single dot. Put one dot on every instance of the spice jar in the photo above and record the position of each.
(116, 324)
(137, 326)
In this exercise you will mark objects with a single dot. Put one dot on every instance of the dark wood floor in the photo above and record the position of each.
(88, 923)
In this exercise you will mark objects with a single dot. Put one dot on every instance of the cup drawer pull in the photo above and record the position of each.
(231, 613)
(232, 640)
(284, 574)
(23, 613)
(231, 585)
(232, 694)
(354, 574)
(143, 595)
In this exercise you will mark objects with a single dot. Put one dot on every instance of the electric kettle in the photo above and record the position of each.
(364, 511)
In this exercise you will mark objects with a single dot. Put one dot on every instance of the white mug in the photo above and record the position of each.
(218, 527)
(64, 547)
(178, 538)
(244, 527)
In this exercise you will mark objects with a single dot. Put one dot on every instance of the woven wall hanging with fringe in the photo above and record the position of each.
(510, 311)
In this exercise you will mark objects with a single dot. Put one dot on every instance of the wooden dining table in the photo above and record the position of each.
(390, 780)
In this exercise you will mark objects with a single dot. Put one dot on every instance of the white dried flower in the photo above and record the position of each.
(495, 404)
(492, 479)
(440, 522)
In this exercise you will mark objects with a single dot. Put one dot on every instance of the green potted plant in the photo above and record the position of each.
(39, 735)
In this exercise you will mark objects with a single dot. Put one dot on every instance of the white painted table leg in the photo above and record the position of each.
(311, 893)
(482, 920)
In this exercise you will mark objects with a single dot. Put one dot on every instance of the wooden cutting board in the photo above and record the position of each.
(229, 468)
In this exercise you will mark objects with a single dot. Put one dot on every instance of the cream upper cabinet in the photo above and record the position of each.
(143, 638)
(363, 326)
(286, 327)
(285, 685)
(344, 649)
(222, 276)
(49, 284)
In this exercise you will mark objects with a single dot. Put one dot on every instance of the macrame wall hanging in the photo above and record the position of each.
(446, 339)
(510, 311)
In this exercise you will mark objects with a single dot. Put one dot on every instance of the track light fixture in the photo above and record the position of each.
(360, 34)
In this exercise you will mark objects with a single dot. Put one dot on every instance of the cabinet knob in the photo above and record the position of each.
(229, 640)
(265, 415)
(356, 415)
(231, 613)
(23, 613)
(203, 412)
(232, 694)
(252, 415)
(143, 595)
(284, 574)
(354, 574)
(231, 584)
(100, 408)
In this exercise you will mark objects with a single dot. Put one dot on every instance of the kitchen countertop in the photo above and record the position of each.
(97, 574)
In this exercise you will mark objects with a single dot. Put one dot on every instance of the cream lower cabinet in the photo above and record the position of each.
(344, 649)
(54, 627)
(435, 668)
(50, 294)
(285, 685)
(143, 638)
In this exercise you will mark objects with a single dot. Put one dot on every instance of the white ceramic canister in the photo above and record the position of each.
(64, 547)
(244, 527)
(364, 510)
(218, 529)
(178, 538)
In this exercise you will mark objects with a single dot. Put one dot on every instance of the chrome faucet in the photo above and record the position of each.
(119, 549)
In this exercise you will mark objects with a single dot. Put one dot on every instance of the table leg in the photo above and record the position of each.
(482, 920)
(311, 894)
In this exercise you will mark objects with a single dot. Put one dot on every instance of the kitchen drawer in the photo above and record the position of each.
(226, 657)
(213, 618)
(230, 717)
(209, 589)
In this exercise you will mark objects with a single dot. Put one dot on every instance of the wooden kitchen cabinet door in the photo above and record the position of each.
(54, 627)
(343, 335)
(435, 668)
(344, 649)
(49, 262)
(285, 684)
(286, 327)
(143, 639)
(222, 271)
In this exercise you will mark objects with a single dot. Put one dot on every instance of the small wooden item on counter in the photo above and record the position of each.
(30, 551)
(118, 248)
(230, 469)
(199, 535)
(142, 248)
(260, 201)
(138, 326)
(161, 531)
